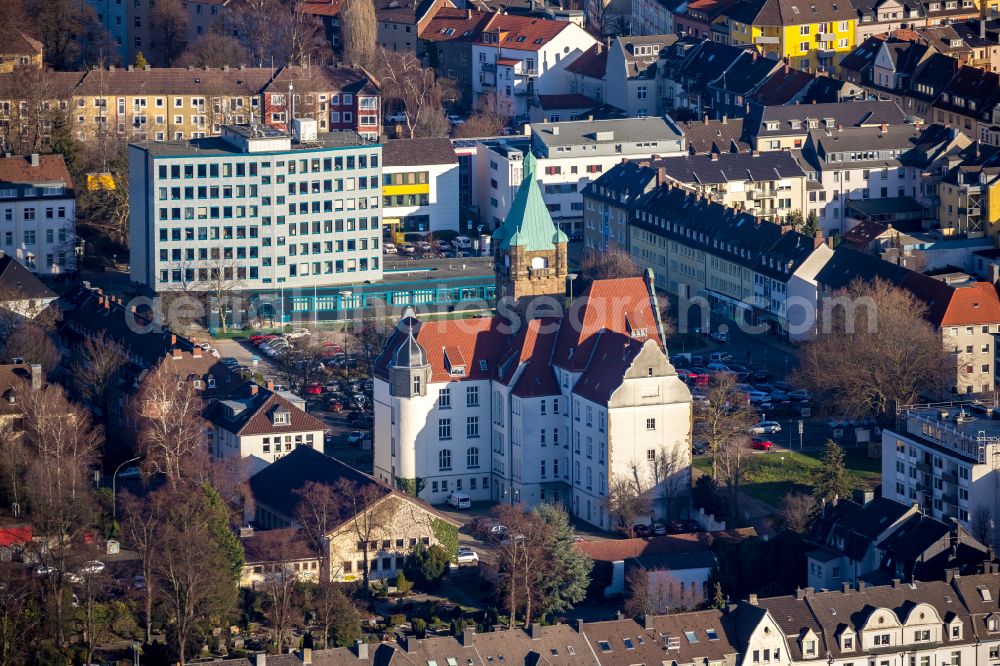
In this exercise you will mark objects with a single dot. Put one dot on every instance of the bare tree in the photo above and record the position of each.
(625, 499)
(97, 372)
(14, 461)
(171, 425)
(652, 593)
(981, 525)
(371, 337)
(358, 28)
(670, 469)
(299, 368)
(608, 264)
(65, 446)
(33, 343)
(196, 582)
(408, 84)
(797, 512)
(489, 119)
(726, 416)
(856, 364)
(275, 32)
(18, 621)
(368, 513)
(29, 124)
(730, 462)
(66, 28)
(169, 22)
(281, 588)
(142, 524)
(318, 511)
(213, 50)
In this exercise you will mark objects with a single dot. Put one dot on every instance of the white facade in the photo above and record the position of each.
(431, 205)
(38, 226)
(261, 211)
(567, 165)
(650, 17)
(947, 463)
(518, 75)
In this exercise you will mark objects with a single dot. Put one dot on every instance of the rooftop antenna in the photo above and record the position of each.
(291, 106)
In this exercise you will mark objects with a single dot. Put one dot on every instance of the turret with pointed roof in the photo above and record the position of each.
(529, 249)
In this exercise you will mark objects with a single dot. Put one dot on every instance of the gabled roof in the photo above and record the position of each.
(284, 545)
(239, 81)
(528, 223)
(18, 42)
(522, 33)
(718, 136)
(622, 184)
(255, 407)
(530, 353)
(727, 167)
(480, 342)
(617, 550)
(847, 114)
(974, 85)
(627, 642)
(320, 78)
(592, 63)
(748, 72)
(451, 24)
(863, 55)
(783, 86)
(18, 283)
(567, 101)
(59, 85)
(18, 170)
(790, 12)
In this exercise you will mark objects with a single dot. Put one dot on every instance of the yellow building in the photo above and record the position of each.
(165, 103)
(19, 49)
(813, 35)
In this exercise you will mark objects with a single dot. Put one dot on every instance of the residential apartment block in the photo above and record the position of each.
(553, 412)
(339, 99)
(945, 460)
(570, 155)
(723, 260)
(38, 213)
(18, 49)
(257, 208)
(608, 203)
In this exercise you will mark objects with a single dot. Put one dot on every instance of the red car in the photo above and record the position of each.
(256, 340)
(314, 389)
(761, 444)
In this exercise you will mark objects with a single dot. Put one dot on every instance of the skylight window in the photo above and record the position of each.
(452, 661)
(628, 643)
(604, 645)
(570, 649)
(690, 635)
(712, 636)
(984, 593)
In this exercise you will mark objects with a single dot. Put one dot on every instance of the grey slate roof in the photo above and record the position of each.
(848, 114)
(17, 282)
(725, 167)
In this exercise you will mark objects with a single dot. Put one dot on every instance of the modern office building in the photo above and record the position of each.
(420, 185)
(256, 208)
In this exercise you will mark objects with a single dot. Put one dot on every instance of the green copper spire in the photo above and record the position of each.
(529, 224)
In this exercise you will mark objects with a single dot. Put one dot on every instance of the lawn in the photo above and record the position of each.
(770, 476)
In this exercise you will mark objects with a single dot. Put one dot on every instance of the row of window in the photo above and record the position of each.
(243, 169)
(30, 236)
(444, 432)
(192, 275)
(29, 213)
(442, 486)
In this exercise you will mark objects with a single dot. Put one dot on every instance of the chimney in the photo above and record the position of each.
(647, 621)
(725, 120)
(787, 68)
(173, 339)
(130, 68)
(361, 649)
(861, 586)
(818, 238)
(535, 631)
(752, 599)
(845, 587)
(36, 376)
(982, 28)
(196, 352)
(705, 119)
(107, 304)
(800, 594)
(895, 583)
(307, 656)
(270, 385)
(468, 636)
(579, 626)
(253, 389)
(468, 13)
(949, 575)
(177, 352)
(260, 659)
(884, 128)
(714, 156)
(829, 242)
(35, 159)
(661, 175)
(753, 55)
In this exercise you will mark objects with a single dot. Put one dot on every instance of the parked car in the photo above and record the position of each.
(640, 530)
(92, 567)
(229, 361)
(315, 389)
(720, 357)
(721, 337)
(409, 248)
(683, 526)
(298, 333)
(760, 375)
(766, 428)
(43, 570)
(459, 500)
(658, 529)
(699, 448)
(455, 120)
(799, 395)
(355, 436)
(258, 338)
(388, 248)
(139, 582)
(761, 444)
(462, 243)
(396, 118)
(758, 397)
(718, 367)
(467, 556)
(131, 472)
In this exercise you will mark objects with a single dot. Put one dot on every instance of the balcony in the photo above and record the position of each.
(526, 71)
(757, 195)
(489, 67)
(950, 499)
(924, 467)
(971, 210)
(763, 39)
(950, 477)
(828, 37)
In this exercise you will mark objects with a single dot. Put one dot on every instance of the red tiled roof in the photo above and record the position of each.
(19, 170)
(508, 62)
(621, 306)
(475, 340)
(615, 550)
(532, 349)
(523, 33)
(592, 63)
(321, 7)
(975, 304)
(451, 23)
(567, 101)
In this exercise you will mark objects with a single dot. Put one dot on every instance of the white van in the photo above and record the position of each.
(462, 243)
(460, 501)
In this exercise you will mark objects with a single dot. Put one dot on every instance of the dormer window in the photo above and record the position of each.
(281, 417)
(809, 648)
(210, 380)
(846, 643)
(956, 630)
(993, 624)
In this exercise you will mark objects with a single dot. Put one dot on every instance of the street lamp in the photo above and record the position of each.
(135, 650)
(344, 295)
(114, 478)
